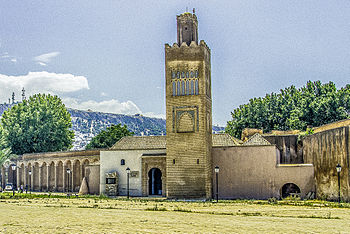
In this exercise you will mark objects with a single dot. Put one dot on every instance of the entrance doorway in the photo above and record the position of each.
(155, 182)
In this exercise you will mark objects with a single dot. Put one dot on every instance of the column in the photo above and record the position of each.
(25, 179)
(18, 179)
(6, 175)
(56, 178)
(47, 177)
(32, 178)
(72, 181)
(40, 180)
(64, 178)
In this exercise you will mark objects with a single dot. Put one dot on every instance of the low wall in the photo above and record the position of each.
(254, 172)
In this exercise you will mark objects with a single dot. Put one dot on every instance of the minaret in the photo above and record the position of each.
(188, 113)
(23, 94)
(13, 97)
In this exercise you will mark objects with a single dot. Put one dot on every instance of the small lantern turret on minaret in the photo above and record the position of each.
(187, 28)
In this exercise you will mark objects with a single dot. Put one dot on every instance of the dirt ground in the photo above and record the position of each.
(94, 215)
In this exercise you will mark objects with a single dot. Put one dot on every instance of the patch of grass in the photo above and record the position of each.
(250, 213)
(156, 208)
(179, 209)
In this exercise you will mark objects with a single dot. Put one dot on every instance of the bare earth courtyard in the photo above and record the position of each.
(96, 215)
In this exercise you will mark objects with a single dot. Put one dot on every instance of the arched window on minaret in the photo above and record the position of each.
(196, 88)
(187, 87)
(174, 88)
(192, 87)
(183, 88)
(178, 88)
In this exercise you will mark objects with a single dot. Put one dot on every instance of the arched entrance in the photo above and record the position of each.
(155, 182)
(289, 189)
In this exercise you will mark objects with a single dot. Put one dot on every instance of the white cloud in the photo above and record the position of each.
(103, 94)
(40, 82)
(42, 64)
(110, 106)
(8, 58)
(43, 59)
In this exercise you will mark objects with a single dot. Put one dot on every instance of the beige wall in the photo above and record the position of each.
(254, 172)
(110, 162)
(325, 150)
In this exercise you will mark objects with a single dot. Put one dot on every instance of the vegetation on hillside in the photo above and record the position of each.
(314, 104)
(108, 137)
(39, 124)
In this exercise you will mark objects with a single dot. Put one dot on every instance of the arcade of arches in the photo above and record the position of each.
(49, 171)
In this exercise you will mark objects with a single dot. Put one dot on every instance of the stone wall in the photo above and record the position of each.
(254, 172)
(291, 151)
(325, 150)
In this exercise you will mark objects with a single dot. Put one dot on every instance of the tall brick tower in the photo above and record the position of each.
(188, 113)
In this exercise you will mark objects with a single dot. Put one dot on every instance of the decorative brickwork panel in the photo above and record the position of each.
(185, 121)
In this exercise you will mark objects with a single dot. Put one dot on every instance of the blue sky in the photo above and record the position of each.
(109, 55)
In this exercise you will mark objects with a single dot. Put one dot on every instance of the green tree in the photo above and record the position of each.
(39, 124)
(5, 153)
(314, 104)
(107, 138)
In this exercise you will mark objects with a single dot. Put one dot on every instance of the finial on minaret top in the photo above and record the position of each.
(194, 10)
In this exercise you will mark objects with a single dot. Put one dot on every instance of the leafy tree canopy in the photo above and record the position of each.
(5, 153)
(107, 138)
(39, 124)
(312, 105)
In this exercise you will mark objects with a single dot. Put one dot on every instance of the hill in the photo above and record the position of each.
(87, 124)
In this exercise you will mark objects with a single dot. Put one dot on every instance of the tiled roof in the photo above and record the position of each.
(159, 142)
(224, 139)
(140, 142)
(257, 139)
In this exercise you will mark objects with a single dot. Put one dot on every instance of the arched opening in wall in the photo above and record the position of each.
(44, 177)
(68, 176)
(155, 182)
(35, 174)
(59, 176)
(290, 189)
(52, 177)
(11, 175)
(76, 176)
(83, 168)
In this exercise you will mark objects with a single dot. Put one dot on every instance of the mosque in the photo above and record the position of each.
(190, 162)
